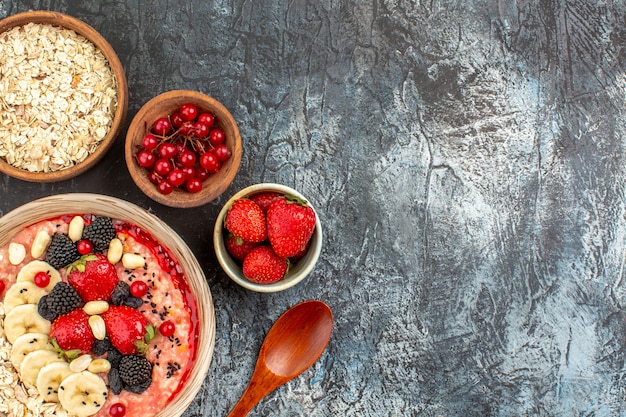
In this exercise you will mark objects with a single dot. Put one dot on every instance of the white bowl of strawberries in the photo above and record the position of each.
(267, 237)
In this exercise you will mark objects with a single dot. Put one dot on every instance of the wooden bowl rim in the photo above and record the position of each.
(179, 198)
(60, 204)
(119, 118)
(296, 273)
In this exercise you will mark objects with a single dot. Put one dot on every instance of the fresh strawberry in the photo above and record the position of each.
(93, 277)
(290, 225)
(246, 220)
(299, 255)
(128, 329)
(264, 266)
(265, 199)
(237, 247)
(72, 332)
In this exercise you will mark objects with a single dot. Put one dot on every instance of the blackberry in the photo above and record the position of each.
(62, 299)
(43, 310)
(100, 347)
(120, 294)
(135, 370)
(115, 382)
(100, 232)
(62, 251)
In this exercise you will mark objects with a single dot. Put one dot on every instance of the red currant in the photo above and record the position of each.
(200, 130)
(188, 112)
(150, 141)
(41, 279)
(186, 129)
(187, 158)
(194, 185)
(145, 158)
(162, 126)
(117, 410)
(176, 177)
(167, 328)
(189, 172)
(222, 152)
(84, 246)
(138, 289)
(154, 177)
(162, 167)
(206, 118)
(165, 187)
(216, 136)
(177, 121)
(209, 161)
(167, 151)
(201, 174)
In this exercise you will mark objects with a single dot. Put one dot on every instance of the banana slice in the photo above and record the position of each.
(49, 379)
(24, 319)
(83, 394)
(33, 362)
(22, 293)
(28, 272)
(27, 343)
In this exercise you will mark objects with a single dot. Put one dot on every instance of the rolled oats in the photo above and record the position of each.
(58, 96)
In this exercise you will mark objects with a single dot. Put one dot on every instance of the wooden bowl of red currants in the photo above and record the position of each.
(183, 148)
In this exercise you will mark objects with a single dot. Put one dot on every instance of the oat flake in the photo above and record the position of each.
(58, 96)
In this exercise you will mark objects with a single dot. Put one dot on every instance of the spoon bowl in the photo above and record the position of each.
(294, 343)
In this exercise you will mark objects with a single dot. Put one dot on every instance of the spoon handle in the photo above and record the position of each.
(244, 405)
(263, 382)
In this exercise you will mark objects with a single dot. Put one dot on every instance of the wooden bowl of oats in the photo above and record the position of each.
(63, 96)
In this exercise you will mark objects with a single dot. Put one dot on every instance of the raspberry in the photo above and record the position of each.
(62, 299)
(135, 370)
(100, 232)
(62, 251)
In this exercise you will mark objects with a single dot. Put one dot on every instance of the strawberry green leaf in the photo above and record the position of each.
(150, 332)
(79, 265)
(68, 355)
(141, 346)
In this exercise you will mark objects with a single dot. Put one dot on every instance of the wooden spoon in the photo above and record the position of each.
(295, 341)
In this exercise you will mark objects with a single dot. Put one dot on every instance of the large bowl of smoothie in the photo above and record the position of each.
(104, 311)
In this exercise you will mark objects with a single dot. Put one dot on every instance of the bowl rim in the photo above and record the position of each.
(302, 268)
(140, 179)
(119, 118)
(60, 204)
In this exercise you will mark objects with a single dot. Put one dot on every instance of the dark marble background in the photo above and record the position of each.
(467, 161)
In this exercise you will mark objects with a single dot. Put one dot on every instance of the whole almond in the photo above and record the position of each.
(75, 231)
(17, 253)
(40, 244)
(95, 307)
(98, 366)
(98, 327)
(81, 363)
(116, 250)
(133, 261)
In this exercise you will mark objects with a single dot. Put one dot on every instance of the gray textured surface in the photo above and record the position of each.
(466, 159)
